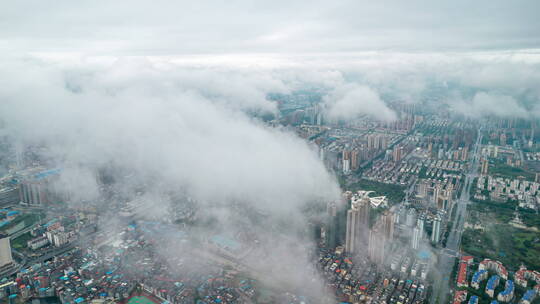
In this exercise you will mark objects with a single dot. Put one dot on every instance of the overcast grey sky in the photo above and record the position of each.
(200, 27)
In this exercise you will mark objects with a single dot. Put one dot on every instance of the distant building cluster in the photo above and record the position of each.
(437, 193)
(499, 189)
(346, 150)
(511, 155)
(431, 152)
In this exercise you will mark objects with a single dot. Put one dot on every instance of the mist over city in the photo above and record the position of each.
(250, 152)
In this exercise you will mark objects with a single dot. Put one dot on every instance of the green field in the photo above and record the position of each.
(140, 300)
(511, 246)
(502, 211)
(501, 241)
(506, 171)
(530, 218)
(21, 241)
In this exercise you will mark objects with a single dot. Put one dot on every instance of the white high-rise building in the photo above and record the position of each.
(357, 225)
(415, 240)
(5, 251)
(420, 225)
(346, 166)
(388, 219)
(60, 239)
(352, 232)
(436, 233)
(411, 217)
(377, 243)
(422, 189)
(319, 118)
(436, 194)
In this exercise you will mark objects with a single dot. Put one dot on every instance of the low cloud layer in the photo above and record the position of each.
(468, 83)
(351, 101)
(181, 129)
(490, 104)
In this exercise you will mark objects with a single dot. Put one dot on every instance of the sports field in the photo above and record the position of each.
(140, 300)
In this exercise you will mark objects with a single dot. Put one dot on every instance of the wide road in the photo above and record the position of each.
(448, 256)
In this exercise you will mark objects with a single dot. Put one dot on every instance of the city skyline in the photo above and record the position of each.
(249, 152)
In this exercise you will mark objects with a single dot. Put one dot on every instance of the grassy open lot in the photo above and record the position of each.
(511, 246)
(21, 241)
(140, 300)
(503, 170)
(530, 218)
(501, 211)
(28, 218)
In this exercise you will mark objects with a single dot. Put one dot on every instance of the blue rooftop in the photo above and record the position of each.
(529, 295)
(508, 289)
(493, 282)
(473, 300)
(476, 276)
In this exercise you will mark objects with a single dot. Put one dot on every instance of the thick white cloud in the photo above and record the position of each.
(434, 78)
(183, 132)
(395, 76)
(351, 100)
(105, 104)
(489, 104)
(173, 128)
